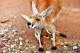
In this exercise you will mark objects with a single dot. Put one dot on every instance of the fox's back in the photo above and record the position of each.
(44, 4)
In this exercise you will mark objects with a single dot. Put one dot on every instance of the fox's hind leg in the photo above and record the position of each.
(52, 30)
(53, 39)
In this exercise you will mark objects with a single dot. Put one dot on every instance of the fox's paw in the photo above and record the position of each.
(41, 49)
(54, 48)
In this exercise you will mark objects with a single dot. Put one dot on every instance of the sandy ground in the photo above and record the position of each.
(69, 21)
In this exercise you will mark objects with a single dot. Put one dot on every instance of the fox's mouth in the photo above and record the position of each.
(34, 26)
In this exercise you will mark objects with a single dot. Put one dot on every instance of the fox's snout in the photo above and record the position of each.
(30, 25)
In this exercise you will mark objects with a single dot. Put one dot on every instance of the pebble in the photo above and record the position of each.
(16, 40)
(75, 47)
(79, 45)
(48, 52)
(20, 38)
(33, 47)
(62, 43)
(4, 49)
(1, 33)
(13, 30)
(12, 46)
(26, 48)
(21, 43)
(65, 47)
(5, 30)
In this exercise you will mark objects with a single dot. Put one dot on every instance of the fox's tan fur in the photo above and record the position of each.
(44, 21)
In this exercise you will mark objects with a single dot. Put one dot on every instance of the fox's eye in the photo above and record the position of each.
(38, 19)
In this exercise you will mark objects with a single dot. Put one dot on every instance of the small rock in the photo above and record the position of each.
(75, 47)
(48, 52)
(12, 46)
(21, 43)
(20, 38)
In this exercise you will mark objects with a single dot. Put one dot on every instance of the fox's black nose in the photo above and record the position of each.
(28, 23)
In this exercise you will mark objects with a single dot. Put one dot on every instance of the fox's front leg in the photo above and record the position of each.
(37, 35)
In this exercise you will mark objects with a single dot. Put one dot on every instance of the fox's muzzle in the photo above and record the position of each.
(30, 25)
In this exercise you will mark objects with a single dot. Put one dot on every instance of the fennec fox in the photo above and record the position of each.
(44, 19)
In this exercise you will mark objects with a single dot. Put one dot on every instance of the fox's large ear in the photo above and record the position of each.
(46, 12)
(26, 17)
(34, 9)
